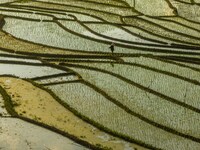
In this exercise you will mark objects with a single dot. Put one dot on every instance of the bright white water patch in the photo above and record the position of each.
(58, 79)
(145, 34)
(104, 30)
(27, 71)
(19, 59)
(88, 33)
(4, 52)
(16, 134)
(115, 32)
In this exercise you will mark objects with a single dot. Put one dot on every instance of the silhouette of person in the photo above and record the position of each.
(112, 47)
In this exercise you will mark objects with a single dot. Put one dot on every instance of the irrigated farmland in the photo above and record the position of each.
(99, 74)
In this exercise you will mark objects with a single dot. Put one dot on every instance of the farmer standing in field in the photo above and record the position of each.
(112, 47)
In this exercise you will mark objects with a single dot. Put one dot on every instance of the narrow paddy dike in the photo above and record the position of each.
(35, 105)
(58, 74)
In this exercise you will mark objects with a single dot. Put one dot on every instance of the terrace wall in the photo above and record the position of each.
(152, 7)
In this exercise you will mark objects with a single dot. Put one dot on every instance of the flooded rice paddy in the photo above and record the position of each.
(61, 87)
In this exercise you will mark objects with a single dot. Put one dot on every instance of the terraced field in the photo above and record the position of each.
(62, 88)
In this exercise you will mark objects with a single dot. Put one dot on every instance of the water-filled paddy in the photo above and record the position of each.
(60, 81)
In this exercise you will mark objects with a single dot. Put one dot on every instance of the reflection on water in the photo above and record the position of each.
(16, 134)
